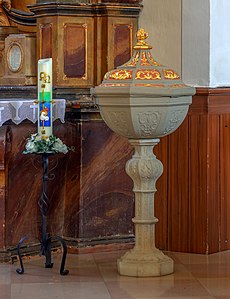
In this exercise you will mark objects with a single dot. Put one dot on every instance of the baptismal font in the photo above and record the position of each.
(143, 101)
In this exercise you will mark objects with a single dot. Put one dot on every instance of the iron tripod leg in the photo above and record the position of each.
(45, 250)
(45, 247)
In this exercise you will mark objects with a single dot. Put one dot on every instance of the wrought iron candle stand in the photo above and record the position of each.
(43, 204)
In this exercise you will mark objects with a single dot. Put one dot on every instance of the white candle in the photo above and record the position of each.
(45, 127)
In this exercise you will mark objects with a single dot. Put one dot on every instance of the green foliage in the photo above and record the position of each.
(35, 144)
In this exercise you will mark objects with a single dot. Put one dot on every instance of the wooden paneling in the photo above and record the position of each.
(75, 43)
(225, 182)
(197, 161)
(77, 67)
(46, 41)
(213, 183)
(87, 40)
(197, 183)
(161, 197)
(122, 43)
(122, 35)
(178, 189)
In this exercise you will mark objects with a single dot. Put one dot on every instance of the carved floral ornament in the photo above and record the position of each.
(121, 75)
(148, 75)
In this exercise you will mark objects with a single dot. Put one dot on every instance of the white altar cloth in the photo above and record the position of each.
(18, 110)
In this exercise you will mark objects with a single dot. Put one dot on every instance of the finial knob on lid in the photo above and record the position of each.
(142, 35)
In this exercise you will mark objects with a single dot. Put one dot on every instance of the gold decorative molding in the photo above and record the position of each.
(134, 61)
(144, 60)
(170, 75)
(121, 75)
(148, 75)
(116, 84)
(153, 61)
(150, 85)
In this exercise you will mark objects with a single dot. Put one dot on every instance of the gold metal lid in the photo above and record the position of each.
(143, 70)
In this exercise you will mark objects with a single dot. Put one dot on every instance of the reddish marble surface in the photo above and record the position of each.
(4, 132)
(25, 186)
(103, 200)
(122, 44)
(90, 198)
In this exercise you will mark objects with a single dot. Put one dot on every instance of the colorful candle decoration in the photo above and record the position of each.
(44, 141)
(45, 128)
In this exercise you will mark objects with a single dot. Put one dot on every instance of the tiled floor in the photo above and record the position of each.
(94, 276)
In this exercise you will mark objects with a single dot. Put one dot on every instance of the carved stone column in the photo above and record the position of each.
(144, 259)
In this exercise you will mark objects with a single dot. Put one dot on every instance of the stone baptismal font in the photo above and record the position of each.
(143, 100)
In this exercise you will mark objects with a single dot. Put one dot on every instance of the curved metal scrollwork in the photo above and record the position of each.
(20, 271)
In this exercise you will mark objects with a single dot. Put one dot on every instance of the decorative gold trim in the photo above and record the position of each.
(150, 85)
(85, 77)
(148, 75)
(121, 75)
(131, 39)
(144, 59)
(115, 84)
(170, 75)
(134, 60)
(14, 43)
(154, 62)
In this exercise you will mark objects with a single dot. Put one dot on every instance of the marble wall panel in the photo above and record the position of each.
(122, 43)
(90, 194)
(75, 44)
(105, 200)
(23, 216)
(3, 170)
(45, 50)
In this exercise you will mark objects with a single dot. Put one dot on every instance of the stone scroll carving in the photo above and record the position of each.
(118, 119)
(175, 120)
(148, 122)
